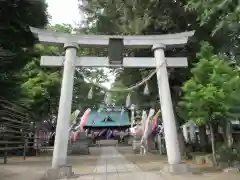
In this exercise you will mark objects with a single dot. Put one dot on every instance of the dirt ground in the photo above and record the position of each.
(155, 162)
(33, 168)
(149, 162)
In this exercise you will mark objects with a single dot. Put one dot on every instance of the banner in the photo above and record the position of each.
(84, 118)
(155, 120)
(96, 116)
(121, 115)
(109, 134)
(148, 128)
(74, 116)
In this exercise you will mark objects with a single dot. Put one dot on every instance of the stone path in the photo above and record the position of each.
(111, 165)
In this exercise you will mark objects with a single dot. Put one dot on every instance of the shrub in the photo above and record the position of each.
(228, 155)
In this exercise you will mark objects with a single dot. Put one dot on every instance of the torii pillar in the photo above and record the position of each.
(169, 124)
(65, 104)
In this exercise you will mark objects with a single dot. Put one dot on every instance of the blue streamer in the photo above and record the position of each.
(109, 134)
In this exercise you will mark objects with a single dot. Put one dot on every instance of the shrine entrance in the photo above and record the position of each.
(115, 59)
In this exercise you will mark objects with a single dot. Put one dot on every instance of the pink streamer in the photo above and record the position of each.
(84, 118)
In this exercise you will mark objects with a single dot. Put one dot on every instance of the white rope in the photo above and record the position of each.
(132, 87)
(120, 89)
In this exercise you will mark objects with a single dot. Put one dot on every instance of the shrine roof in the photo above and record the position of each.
(96, 119)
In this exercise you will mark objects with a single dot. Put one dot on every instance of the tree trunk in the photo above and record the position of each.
(228, 139)
(203, 137)
(213, 144)
(181, 143)
(217, 136)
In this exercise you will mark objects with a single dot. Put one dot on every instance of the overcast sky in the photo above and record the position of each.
(64, 11)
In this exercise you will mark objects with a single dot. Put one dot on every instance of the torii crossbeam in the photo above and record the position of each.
(71, 42)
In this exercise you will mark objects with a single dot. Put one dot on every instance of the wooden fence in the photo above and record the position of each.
(17, 131)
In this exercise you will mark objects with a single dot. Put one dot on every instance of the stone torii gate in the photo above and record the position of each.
(115, 58)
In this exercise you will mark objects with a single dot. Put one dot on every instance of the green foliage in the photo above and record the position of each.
(40, 88)
(119, 98)
(226, 11)
(224, 15)
(17, 40)
(210, 94)
(229, 155)
(64, 28)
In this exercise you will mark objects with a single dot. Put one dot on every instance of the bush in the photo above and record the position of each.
(228, 155)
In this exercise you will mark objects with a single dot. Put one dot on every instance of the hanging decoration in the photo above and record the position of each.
(105, 98)
(144, 117)
(131, 88)
(148, 129)
(128, 100)
(74, 116)
(142, 82)
(155, 120)
(109, 134)
(96, 116)
(108, 98)
(146, 90)
(90, 93)
(132, 118)
(121, 115)
(84, 118)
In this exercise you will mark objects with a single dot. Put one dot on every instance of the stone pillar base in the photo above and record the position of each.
(179, 169)
(61, 172)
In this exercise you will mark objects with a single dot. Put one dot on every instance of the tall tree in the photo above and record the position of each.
(209, 97)
(225, 16)
(17, 40)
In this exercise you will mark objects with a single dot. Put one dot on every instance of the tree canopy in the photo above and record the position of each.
(211, 93)
(38, 88)
(17, 40)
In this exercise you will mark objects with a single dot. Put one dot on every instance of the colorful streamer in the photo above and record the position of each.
(84, 118)
(128, 100)
(101, 132)
(148, 129)
(74, 116)
(109, 134)
(144, 117)
(96, 116)
(132, 118)
(121, 115)
(155, 120)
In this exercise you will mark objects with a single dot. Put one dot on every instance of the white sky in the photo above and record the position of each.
(64, 11)
(67, 12)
